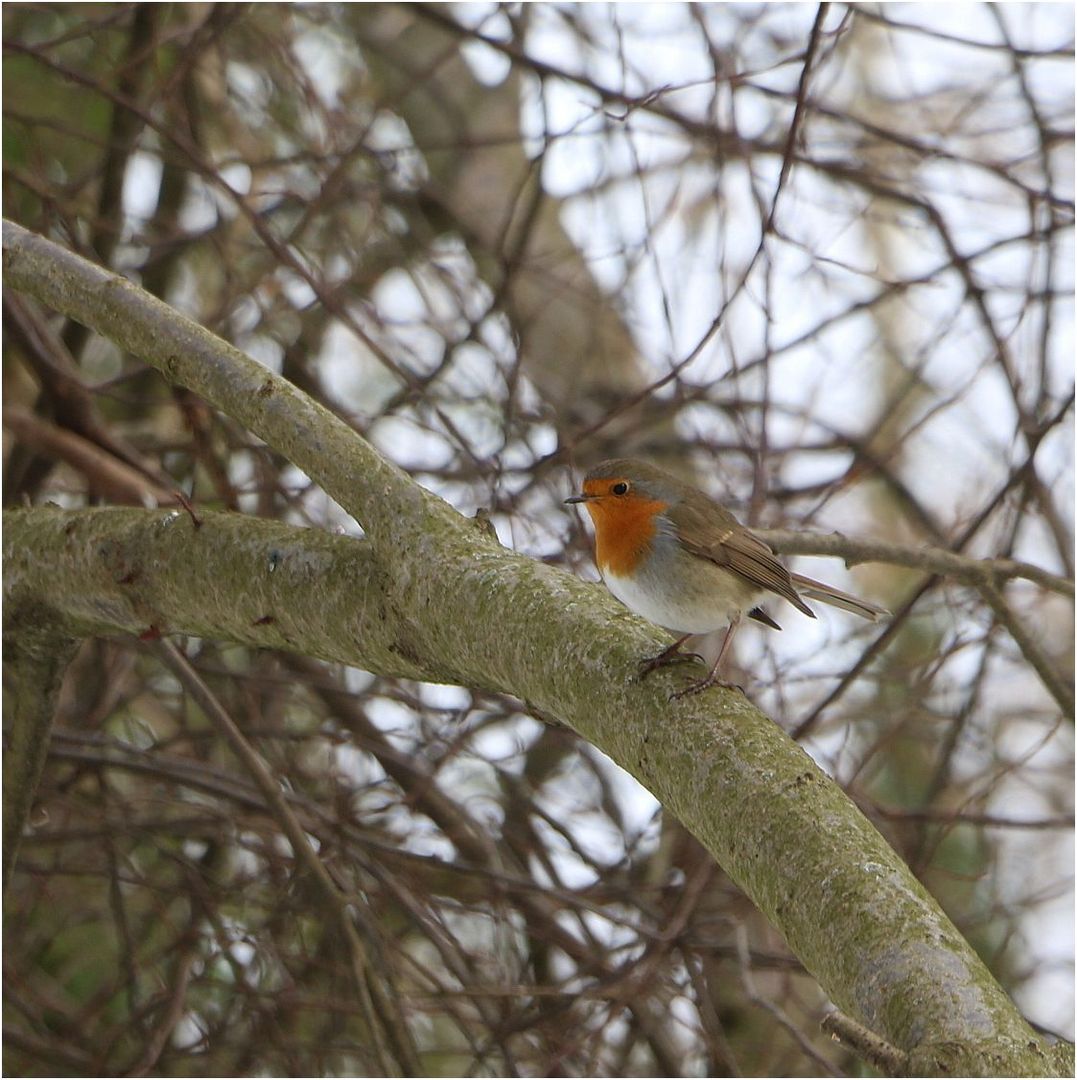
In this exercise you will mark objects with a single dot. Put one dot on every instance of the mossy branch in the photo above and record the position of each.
(432, 596)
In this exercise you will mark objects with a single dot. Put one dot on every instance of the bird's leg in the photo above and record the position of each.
(672, 655)
(712, 679)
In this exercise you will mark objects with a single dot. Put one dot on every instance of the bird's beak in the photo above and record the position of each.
(578, 498)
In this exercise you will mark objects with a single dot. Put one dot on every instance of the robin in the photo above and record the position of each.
(673, 555)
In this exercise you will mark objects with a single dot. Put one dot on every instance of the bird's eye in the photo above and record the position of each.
(620, 488)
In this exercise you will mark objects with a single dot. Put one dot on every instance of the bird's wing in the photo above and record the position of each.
(713, 533)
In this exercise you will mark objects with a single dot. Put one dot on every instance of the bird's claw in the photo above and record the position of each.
(652, 663)
(704, 684)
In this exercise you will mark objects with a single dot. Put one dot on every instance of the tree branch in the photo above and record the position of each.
(977, 572)
(393, 1047)
(456, 606)
(875, 1051)
(39, 652)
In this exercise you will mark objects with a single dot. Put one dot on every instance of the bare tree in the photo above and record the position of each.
(283, 796)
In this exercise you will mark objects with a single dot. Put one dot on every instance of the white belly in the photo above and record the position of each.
(685, 611)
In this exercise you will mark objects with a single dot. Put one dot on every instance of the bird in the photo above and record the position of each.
(672, 554)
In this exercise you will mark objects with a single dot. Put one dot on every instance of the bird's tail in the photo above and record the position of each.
(827, 594)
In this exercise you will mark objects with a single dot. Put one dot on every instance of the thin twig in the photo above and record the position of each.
(936, 560)
(379, 1009)
(873, 1049)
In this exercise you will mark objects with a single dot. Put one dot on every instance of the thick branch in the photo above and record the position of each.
(458, 607)
(242, 579)
(381, 497)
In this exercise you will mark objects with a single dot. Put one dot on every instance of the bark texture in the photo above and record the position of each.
(430, 595)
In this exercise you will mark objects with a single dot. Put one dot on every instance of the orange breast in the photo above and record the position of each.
(624, 530)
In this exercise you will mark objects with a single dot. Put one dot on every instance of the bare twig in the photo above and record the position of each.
(874, 1050)
(393, 1047)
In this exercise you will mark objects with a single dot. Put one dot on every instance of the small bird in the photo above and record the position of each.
(673, 555)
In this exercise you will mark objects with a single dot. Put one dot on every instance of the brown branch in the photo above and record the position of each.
(873, 1049)
(393, 1046)
(856, 550)
(177, 1003)
(106, 473)
(38, 652)
(1061, 690)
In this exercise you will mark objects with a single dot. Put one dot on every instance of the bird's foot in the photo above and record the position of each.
(704, 684)
(672, 655)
